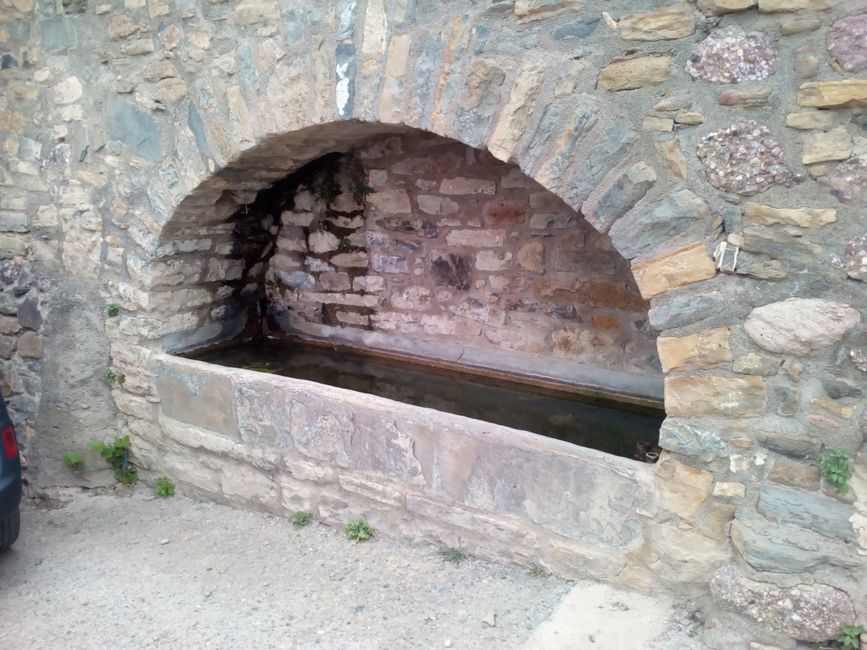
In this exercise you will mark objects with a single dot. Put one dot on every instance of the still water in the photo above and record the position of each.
(616, 428)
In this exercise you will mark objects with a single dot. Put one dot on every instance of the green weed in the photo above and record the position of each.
(74, 460)
(164, 487)
(359, 530)
(836, 469)
(301, 519)
(117, 455)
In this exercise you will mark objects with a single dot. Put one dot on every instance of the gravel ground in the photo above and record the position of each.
(108, 571)
(124, 570)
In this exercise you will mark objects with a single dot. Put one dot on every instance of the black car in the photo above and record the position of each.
(10, 481)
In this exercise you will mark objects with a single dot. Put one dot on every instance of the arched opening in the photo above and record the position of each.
(447, 278)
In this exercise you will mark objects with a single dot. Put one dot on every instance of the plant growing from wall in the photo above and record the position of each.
(112, 310)
(74, 460)
(117, 455)
(836, 469)
(849, 636)
(345, 244)
(301, 519)
(327, 189)
(359, 530)
(114, 377)
(164, 487)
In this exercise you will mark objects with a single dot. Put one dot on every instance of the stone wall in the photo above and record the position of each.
(134, 135)
(419, 244)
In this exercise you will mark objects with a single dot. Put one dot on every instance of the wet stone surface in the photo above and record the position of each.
(847, 42)
(730, 55)
(744, 158)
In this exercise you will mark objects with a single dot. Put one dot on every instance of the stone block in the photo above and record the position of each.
(816, 512)
(696, 351)
(466, 186)
(800, 326)
(682, 266)
(806, 612)
(673, 157)
(665, 23)
(393, 201)
(642, 230)
(493, 261)
(629, 73)
(682, 489)
(833, 94)
(192, 394)
(499, 212)
(253, 12)
(823, 146)
(476, 238)
(620, 197)
(438, 205)
(756, 364)
(695, 396)
(531, 257)
(30, 345)
(801, 217)
(691, 436)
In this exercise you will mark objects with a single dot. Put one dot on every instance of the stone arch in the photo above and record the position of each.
(537, 83)
(563, 133)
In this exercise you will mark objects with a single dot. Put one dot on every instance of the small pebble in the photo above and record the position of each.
(448, 643)
(163, 542)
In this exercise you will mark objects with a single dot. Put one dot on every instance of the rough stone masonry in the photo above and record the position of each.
(135, 136)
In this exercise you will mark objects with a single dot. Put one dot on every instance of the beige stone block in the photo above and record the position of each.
(666, 23)
(729, 490)
(835, 144)
(653, 123)
(845, 411)
(776, 6)
(718, 7)
(681, 488)
(677, 268)
(535, 9)
(252, 12)
(833, 94)
(673, 157)
(801, 217)
(689, 118)
(635, 72)
(702, 350)
(512, 122)
(695, 396)
(390, 202)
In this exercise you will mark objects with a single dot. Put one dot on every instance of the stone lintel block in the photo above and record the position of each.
(695, 396)
(682, 266)
(702, 350)
(195, 394)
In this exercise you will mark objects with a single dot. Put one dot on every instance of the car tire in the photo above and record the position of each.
(9, 528)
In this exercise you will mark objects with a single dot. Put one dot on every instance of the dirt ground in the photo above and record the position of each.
(125, 570)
